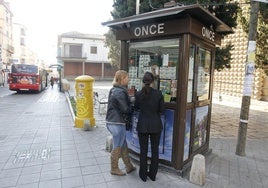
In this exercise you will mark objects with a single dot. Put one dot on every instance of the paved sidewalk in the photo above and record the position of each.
(223, 167)
(42, 148)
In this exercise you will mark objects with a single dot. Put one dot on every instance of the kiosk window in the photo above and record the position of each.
(203, 79)
(159, 57)
(191, 74)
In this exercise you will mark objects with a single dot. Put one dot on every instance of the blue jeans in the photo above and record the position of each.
(119, 134)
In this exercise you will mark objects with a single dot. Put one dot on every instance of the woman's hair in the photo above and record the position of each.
(119, 76)
(148, 78)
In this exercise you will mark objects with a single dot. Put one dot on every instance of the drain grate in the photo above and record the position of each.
(32, 155)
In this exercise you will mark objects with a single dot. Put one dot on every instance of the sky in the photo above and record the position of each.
(46, 19)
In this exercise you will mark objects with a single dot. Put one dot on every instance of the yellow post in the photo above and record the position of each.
(84, 101)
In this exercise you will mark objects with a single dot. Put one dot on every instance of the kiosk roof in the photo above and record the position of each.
(196, 11)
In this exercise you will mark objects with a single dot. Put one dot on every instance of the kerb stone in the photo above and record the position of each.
(198, 171)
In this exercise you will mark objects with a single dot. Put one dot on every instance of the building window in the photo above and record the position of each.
(22, 31)
(93, 49)
(7, 17)
(76, 51)
(22, 42)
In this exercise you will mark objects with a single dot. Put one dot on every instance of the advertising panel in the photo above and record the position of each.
(165, 146)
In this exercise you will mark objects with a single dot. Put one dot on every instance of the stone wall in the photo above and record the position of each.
(231, 81)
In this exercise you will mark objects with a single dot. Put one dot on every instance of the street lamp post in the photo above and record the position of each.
(59, 70)
(249, 78)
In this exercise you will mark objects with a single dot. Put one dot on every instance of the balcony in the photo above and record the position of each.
(72, 57)
(10, 49)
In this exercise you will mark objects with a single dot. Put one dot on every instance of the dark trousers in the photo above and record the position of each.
(155, 140)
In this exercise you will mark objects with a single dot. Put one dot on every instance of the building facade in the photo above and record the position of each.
(22, 53)
(84, 54)
(230, 82)
(19, 36)
(6, 39)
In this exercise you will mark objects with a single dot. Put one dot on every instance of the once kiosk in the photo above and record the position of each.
(178, 46)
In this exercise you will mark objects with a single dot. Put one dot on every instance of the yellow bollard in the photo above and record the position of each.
(84, 101)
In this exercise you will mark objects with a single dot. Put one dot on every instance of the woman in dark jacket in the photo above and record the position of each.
(118, 111)
(150, 102)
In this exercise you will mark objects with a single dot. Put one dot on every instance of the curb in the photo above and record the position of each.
(67, 95)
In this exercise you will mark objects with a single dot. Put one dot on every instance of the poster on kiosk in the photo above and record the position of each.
(165, 146)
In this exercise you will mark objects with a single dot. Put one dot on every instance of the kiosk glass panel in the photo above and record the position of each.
(204, 72)
(191, 74)
(159, 57)
(187, 144)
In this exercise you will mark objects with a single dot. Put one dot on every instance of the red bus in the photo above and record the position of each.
(24, 77)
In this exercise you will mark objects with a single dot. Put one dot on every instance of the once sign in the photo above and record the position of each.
(148, 30)
(208, 34)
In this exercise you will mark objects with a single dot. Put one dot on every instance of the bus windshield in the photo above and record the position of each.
(22, 68)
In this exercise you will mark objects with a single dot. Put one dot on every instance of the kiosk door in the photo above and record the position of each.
(198, 99)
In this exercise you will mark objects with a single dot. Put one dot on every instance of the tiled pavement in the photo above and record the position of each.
(39, 147)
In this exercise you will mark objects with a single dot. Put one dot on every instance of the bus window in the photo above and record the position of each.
(21, 68)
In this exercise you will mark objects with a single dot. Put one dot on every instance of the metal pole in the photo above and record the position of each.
(83, 67)
(60, 79)
(137, 6)
(249, 78)
(102, 70)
